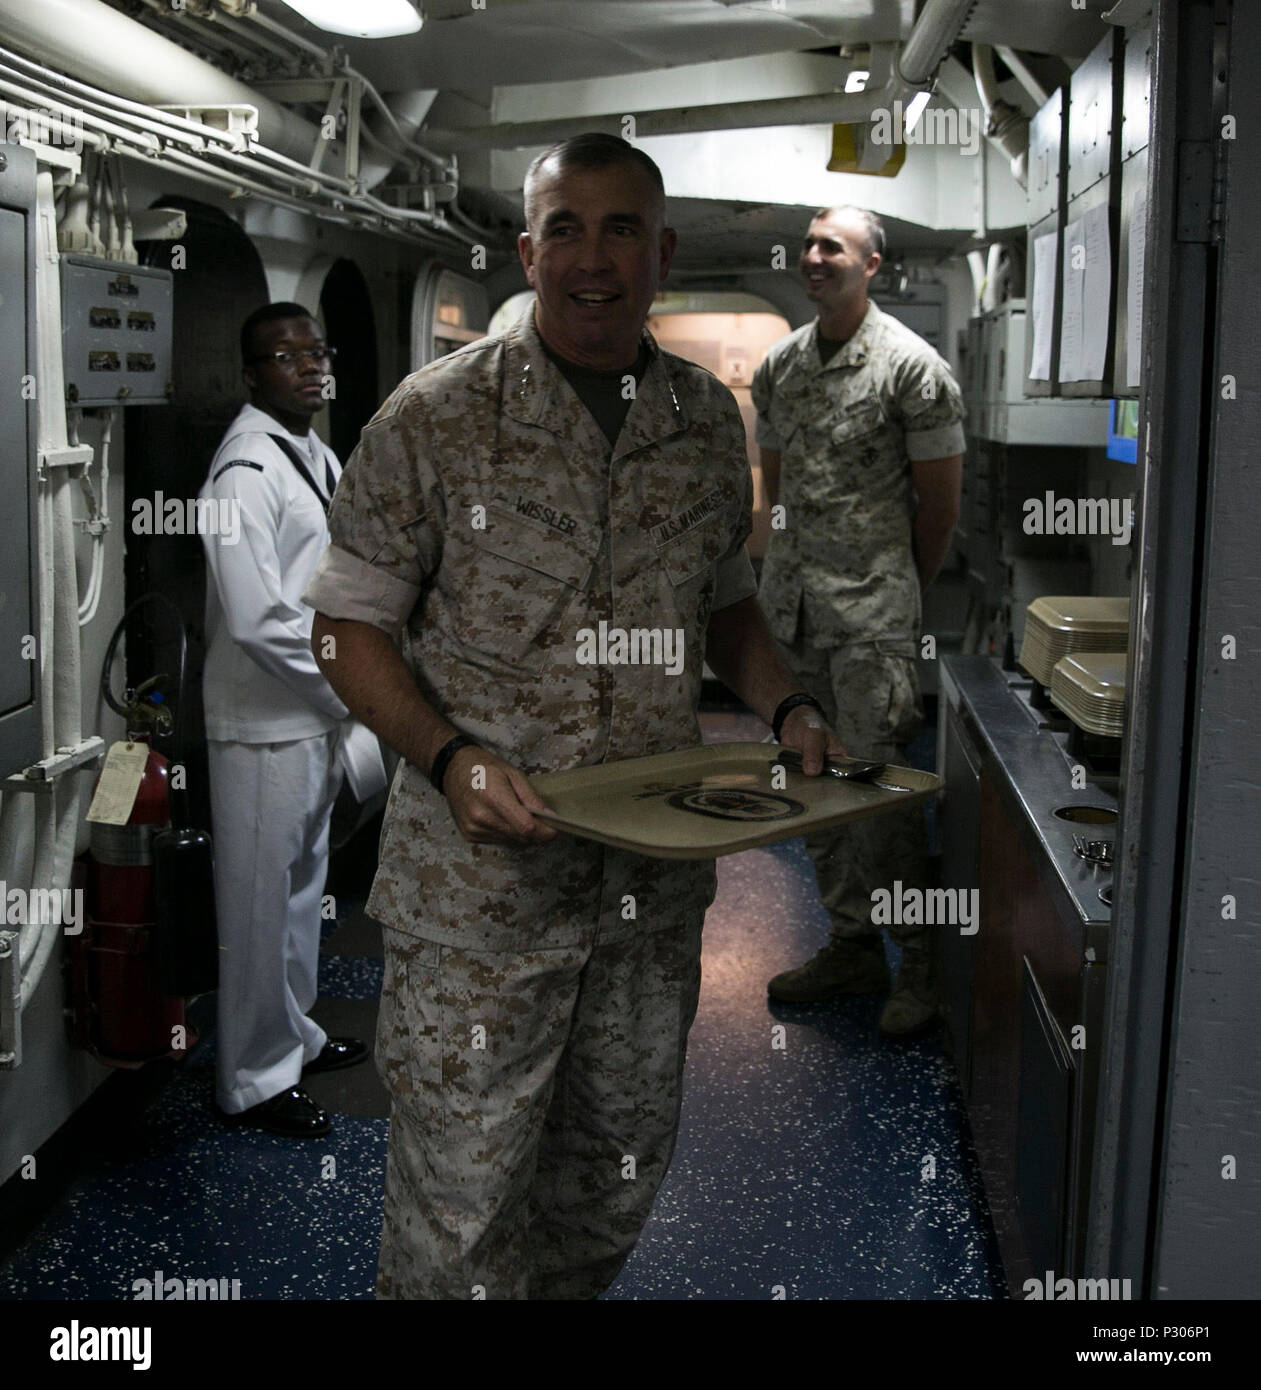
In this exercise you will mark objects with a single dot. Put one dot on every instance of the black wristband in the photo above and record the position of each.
(786, 707)
(448, 751)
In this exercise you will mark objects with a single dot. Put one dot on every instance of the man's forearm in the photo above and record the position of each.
(365, 668)
(938, 484)
(932, 545)
(742, 653)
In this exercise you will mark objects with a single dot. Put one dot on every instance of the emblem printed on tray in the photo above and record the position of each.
(733, 803)
(652, 789)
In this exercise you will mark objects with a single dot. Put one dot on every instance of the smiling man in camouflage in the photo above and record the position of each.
(539, 989)
(859, 426)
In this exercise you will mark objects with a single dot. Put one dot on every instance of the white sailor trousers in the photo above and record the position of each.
(271, 804)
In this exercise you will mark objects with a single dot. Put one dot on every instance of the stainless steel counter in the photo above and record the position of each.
(1033, 770)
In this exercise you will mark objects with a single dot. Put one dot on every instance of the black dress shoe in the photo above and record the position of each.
(292, 1113)
(336, 1052)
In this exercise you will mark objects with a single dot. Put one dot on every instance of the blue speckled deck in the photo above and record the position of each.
(802, 1167)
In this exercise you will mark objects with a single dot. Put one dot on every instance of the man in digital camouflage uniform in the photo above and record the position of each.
(861, 440)
(539, 989)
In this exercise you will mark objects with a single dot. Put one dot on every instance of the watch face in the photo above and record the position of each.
(729, 803)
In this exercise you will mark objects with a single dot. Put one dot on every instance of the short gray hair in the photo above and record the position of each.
(591, 150)
(872, 224)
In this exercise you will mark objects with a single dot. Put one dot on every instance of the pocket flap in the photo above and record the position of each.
(564, 549)
(858, 420)
(691, 541)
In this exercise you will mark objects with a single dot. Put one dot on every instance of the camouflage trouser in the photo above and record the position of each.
(535, 1102)
(871, 698)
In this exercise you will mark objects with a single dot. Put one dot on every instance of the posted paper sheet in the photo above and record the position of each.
(1043, 306)
(1087, 284)
(1134, 289)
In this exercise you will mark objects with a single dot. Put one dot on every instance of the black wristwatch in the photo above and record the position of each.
(448, 751)
(786, 707)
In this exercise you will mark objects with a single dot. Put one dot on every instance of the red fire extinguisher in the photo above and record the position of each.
(150, 939)
(133, 1019)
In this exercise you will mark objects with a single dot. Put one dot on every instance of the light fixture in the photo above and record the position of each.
(856, 81)
(914, 110)
(362, 19)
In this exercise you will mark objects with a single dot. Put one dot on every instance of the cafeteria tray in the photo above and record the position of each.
(702, 803)
(1090, 688)
(1081, 614)
(1058, 626)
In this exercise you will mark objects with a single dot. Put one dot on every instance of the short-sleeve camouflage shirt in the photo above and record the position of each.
(485, 514)
(847, 434)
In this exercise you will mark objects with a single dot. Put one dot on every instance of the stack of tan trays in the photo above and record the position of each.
(1090, 688)
(1060, 627)
(705, 802)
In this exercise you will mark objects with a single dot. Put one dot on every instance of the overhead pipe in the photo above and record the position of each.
(33, 98)
(89, 40)
(234, 34)
(66, 91)
(938, 26)
(983, 73)
(146, 145)
(399, 119)
(250, 36)
(1005, 125)
(993, 262)
(402, 115)
(215, 48)
(976, 264)
(313, 50)
(936, 29)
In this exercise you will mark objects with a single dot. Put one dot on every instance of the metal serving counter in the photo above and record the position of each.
(1023, 995)
(1029, 755)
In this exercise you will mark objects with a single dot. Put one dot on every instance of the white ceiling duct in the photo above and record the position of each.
(1006, 127)
(935, 30)
(928, 43)
(407, 113)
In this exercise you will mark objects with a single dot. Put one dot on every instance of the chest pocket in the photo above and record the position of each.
(521, 580)
(855, 421)
(695, 545)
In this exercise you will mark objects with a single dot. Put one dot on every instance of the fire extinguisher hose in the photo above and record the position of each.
(179, 796)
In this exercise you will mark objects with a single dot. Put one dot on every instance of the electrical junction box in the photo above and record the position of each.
(116, 321)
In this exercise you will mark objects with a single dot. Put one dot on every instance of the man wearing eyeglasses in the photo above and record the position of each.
(276, 732)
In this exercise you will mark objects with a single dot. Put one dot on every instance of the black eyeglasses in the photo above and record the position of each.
(285, 357)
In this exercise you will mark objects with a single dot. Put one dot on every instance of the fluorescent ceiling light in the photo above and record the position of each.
(856, 81)
(915, 109)
(362, 19)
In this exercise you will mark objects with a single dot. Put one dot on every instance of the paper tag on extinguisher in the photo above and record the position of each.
(120, 781)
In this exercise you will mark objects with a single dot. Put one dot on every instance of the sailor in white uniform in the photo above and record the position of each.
(278, 737)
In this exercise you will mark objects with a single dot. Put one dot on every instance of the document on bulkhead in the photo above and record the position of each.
(1134, 288)
(1096, 293)
(1042, 306)
(1074, 281)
